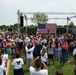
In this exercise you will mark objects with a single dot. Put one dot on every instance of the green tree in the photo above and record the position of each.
(60, 26)
(3, 27)
(71, 25)
(32, 26)
(39, 18)
(15, 27)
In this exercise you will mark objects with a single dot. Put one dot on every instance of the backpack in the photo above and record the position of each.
(65, 46)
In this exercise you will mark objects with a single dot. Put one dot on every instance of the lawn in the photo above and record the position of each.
(68, 68)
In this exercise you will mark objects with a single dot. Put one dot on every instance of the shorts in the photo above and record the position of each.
(50, 56)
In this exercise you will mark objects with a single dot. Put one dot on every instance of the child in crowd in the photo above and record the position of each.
(18, 64)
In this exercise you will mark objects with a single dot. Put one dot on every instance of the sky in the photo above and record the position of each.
(9, 8)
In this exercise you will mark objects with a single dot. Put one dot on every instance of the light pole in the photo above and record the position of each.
(18, 17)
(68, 19)
(26, 22)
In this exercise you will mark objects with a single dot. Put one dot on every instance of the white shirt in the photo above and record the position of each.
(44, 57)
(4, 59)
(74, 51)
(29, 52)
(44, 40)
(17, 63)
(2, 69)
(41, 72)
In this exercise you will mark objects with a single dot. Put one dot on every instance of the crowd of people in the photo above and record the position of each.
(40, 51)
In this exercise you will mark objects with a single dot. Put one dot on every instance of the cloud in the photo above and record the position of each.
(8, 8)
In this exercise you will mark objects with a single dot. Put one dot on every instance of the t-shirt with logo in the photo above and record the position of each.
(17, 63)
(29, 52)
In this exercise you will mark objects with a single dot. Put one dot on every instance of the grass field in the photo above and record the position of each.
(68, 68)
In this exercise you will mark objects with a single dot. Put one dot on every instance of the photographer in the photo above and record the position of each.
(37, 70)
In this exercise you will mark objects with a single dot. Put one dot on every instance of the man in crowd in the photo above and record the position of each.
(37, 70)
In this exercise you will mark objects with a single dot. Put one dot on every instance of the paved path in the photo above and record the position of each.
(8, 64)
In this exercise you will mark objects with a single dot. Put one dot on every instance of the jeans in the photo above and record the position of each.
(63, 57)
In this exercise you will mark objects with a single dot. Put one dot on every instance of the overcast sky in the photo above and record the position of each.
(8, 9)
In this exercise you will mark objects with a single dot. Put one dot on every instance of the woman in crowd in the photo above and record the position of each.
(50, 52)
(44, 56)
(64, 56)
(57, 50)
(18, 64)
(8, 47)
(20, 44)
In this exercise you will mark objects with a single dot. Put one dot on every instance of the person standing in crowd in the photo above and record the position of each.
(29, 48)
(18, 64)
(50, 52)
(13, 48)
(2, 68)
(1, 42)
(37, 70)
(5, 57)
(71, 46)
(44, 56)
(8, 47)
(37, 49)
(59, 72)
(57, 50)
(64, 56)
(20, 44)
(74, 55)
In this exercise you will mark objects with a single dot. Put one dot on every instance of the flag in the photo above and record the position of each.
(41, 26)
(47, 28)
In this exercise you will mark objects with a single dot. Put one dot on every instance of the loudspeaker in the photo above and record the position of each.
(21, 21)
